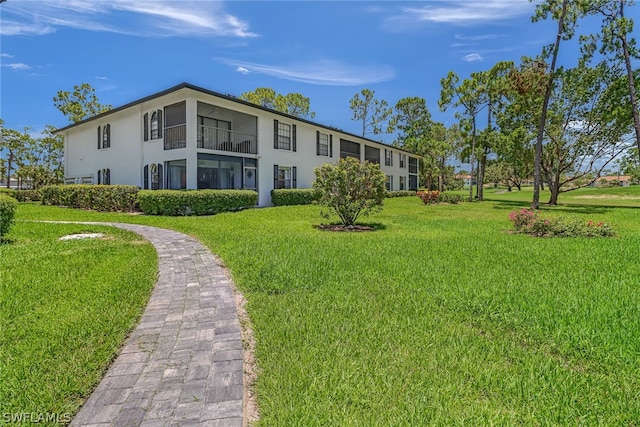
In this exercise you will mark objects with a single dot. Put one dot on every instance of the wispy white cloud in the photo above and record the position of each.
(5, 55)
(101, 78)
(476, 38)
(18, 66)
(472, 57)
(132, 17)
(323, 72)
(242, 70)
(465, 11)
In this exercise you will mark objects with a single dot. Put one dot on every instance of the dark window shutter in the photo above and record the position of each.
(145, 172)
(160, 177)
(145, 125)
(99, 176)
(275, 177)
(330, 145)
(108, 144)
(99, 138)
(107, 178)
(294, 177)
(317, 143)
(275, 133)
(160, 124)
(293, 137)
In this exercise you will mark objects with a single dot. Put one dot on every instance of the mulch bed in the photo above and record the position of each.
(340, 227)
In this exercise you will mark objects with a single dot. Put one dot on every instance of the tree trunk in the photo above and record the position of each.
(473, 157)
(543, 118)
(481, 173)
(9, 160)
(632, 84)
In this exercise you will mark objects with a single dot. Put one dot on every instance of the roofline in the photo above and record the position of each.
(231, 98)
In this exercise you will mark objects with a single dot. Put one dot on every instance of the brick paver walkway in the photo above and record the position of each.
(182, 365)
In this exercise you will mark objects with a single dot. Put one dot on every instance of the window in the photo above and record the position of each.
(284, 177)
(284, 136)
(349, 149)
(153, 175)
(388, 157)
(413, 182)
(156, 124)
(104, 176)
(389, 184)
(225, 172)
(177, 175)
(413, 165)
(403, 160)
(324, 144)
(372, 154)
(104, 136)
(403, 182)
(175, 124)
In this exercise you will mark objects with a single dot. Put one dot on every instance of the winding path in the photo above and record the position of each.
(183, 364)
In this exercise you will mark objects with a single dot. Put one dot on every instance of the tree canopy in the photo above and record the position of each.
(294, 104)
(80, 104)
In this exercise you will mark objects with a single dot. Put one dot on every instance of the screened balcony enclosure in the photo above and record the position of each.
(220, 129)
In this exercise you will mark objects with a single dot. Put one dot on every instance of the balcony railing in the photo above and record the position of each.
(212, 138)
(175, 137)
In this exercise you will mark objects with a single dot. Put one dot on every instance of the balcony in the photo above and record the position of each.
(213, 138)
(175, 137)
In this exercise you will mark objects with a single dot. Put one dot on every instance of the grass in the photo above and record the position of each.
(65, 309)
(440, 317)
(588, 196)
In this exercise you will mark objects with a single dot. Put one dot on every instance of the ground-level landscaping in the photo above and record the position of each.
(65, 309)
(439, 316)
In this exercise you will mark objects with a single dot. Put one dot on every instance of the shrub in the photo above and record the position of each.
(195, 202)
(293, 196)
(8, 206)
(400, 193)
(450, 198)
(105, 198)
(28, 195)
(8, 192)
(429, 197)
(527, 222)
(350, 189)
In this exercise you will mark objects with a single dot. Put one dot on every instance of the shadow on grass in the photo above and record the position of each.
(5, 241)
(563, 208)
(359, 227)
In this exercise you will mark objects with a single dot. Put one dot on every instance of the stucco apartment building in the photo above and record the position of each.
(188, 137)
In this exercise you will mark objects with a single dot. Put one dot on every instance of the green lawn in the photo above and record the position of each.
(592, 196)
(439, 317)
(65, 309)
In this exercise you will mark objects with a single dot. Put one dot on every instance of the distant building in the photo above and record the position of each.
(607, 181)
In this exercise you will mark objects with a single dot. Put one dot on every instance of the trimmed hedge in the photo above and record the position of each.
(8, 192)
(22, 195)
(400, 193)
(28, 195)
(294, 196)
(8, 206)
(104, 198)
(195, 202)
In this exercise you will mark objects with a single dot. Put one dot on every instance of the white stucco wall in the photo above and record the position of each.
(129, 153)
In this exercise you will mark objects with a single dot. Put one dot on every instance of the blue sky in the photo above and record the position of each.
(328, 51)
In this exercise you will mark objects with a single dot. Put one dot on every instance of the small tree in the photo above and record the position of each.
(350, 189)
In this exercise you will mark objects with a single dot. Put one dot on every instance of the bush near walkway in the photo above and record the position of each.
(195, 202)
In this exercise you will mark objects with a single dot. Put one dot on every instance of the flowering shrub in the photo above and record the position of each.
(429, 197)
(526, 221)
